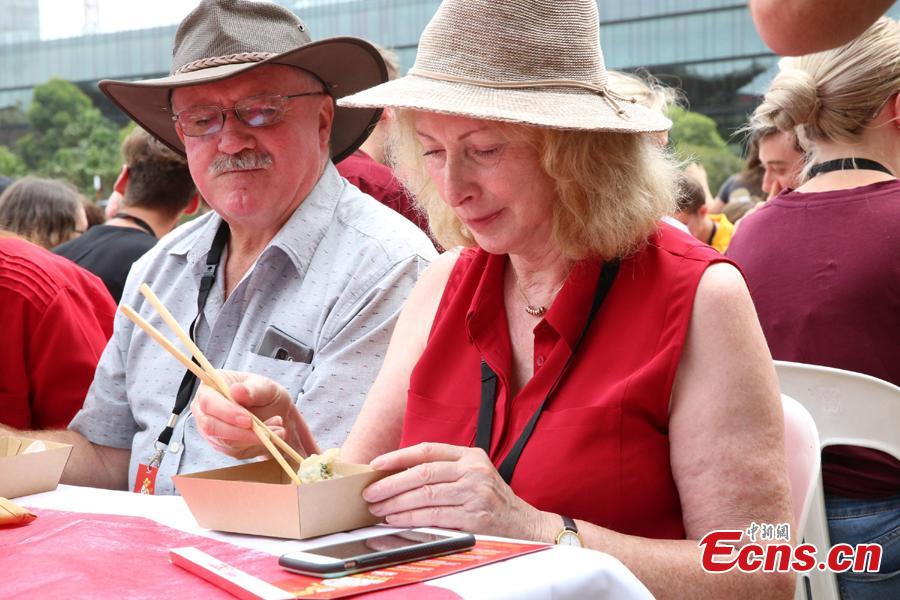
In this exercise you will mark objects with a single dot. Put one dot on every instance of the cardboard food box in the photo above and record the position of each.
(259, 499)
(23, 473)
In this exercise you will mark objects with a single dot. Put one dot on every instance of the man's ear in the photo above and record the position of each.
(896, 104)
(193, 206)
(326, 122)
(703, 211)
(122, 180)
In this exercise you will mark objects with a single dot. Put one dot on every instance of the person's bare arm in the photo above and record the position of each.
(727, 457)
(797, 27)
(89, 464)
(379, 424)
(726, 437)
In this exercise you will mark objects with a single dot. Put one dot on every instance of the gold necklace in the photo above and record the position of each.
(537, 311)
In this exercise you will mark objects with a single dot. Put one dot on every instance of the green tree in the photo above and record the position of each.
(10, 164)
(69, 138)
(694, 138)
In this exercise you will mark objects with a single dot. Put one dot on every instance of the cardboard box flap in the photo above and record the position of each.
(266, 471)
(33, 473)
(337, 504)
(345, 469)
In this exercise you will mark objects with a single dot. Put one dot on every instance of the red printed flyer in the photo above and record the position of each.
(251, 581)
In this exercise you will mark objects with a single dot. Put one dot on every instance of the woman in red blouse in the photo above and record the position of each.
(579, 373)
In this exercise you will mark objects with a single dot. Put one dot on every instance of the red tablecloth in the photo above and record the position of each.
(82, 555)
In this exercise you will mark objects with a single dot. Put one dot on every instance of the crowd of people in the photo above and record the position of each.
(563, 371)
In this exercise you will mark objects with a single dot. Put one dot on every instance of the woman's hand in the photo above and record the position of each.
(227, 425)
(452, 487)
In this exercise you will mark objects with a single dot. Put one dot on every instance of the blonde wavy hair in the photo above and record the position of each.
(612, 188)
(833, 95)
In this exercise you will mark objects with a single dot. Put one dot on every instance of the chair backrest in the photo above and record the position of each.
(848, 408)
(801, 441)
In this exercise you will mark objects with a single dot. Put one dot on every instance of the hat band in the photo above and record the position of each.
(228, 59)
(608, 95)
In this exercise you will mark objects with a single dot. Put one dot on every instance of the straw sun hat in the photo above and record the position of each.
(536, 62)
(221, 38)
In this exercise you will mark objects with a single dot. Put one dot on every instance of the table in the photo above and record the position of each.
(558, 572)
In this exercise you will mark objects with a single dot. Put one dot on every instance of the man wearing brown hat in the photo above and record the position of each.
(296, 275)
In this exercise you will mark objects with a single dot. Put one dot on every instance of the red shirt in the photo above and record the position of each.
(378, 181)
(600, 450)
(56, 320)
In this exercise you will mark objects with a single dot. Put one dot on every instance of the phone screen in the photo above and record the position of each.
(380, 543)
(337, 560)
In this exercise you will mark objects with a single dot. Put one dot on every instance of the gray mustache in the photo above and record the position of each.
(246, 159)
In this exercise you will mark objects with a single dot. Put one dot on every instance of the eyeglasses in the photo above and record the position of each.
(256, 111)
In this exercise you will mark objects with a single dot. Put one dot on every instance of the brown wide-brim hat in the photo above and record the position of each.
(222, 38)
(534, 63)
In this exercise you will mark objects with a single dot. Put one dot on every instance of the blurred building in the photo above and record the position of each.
(20, 21)
(708, 48)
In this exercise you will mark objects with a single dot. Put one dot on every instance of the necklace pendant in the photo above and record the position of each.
(535, 311)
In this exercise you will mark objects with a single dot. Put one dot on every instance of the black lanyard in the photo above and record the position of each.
(489, 385)
(843, 164)
(186, 389)
(136, 220)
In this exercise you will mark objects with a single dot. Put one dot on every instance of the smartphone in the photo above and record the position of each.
(376, 552)
(279, 345)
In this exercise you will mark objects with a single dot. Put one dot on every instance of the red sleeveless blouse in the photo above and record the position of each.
(600, 450)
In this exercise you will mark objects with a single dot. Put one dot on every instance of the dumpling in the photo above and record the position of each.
(318, 467)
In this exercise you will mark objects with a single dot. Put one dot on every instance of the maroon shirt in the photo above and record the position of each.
(600, 450)
(378, 181)
(824, 272)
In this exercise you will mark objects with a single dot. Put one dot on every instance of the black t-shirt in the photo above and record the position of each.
(108, 252)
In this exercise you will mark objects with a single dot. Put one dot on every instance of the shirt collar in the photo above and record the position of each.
(297, 239)
(301, 235)
(195, 246)
(569, 312)
(486, 310)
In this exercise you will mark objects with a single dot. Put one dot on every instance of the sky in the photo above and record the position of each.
(65, 18)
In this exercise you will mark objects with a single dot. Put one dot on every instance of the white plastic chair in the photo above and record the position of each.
(848, 408)
(804, 457)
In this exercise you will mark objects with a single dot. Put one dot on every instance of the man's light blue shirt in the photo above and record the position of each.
(335, 278)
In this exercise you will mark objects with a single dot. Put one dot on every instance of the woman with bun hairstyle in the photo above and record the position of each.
(823, 262)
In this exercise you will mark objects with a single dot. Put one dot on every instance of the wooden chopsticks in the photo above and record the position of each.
(206, 373)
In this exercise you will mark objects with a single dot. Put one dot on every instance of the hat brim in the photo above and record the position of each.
(345, 64)
(542, 107)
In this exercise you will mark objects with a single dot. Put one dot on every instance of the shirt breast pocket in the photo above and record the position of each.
(427, 420)
(292, 375)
